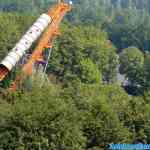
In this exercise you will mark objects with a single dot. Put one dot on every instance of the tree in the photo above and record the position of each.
(146, 85)
(101, 125)
(131, 64)
(40, 119)
(78, 43)
(129, 27)
(89, 72)
(138, 119)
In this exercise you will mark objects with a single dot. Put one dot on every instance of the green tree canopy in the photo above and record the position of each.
(89, 72)
(78, 43)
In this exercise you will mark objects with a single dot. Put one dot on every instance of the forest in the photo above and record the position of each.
(96, 90)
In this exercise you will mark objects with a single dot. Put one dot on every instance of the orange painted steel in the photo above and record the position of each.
(56, 13)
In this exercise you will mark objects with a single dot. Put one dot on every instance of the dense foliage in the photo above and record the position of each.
(79, 43)
(80, 103)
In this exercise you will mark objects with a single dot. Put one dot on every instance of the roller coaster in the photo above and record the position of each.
(45, 30)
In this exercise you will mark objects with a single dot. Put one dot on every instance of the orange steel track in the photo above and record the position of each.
(56, 13)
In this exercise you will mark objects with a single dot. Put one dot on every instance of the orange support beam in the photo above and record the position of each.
(56, 13)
